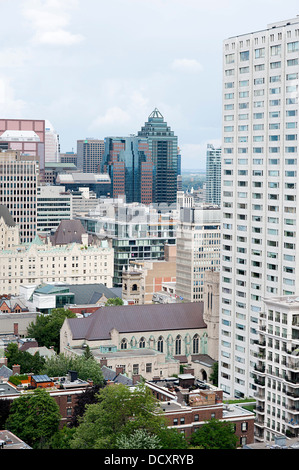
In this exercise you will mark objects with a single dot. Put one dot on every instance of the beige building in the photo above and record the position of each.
(198, 249)
(142, 279)
(9, 232)
(164, 336)
(39, 262)
(18, 181)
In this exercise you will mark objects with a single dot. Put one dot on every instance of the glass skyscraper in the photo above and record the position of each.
(128, 162)
(163, 145)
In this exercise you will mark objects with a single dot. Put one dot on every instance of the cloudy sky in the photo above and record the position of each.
(96, 68)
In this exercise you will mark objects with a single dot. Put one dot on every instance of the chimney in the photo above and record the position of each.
(16, 329)
(3, 361)
(136, 379)
(103, 361)
(119, 370)
(84, 238)
(16, 369)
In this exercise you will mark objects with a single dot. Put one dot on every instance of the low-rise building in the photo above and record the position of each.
(38, 262)
(65, 390)
(189, 403)
(167, 334)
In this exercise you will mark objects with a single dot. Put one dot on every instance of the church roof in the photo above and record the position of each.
(137, 318)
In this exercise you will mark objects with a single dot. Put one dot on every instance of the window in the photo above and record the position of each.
(275, 65)
(275, 50)
(142, 342)
(258, 53)
(196, 344)
(178, 344)
(244, 427)
(293, 46)
(230, 58)
(244, 55)
(160, 344)
(123, 344)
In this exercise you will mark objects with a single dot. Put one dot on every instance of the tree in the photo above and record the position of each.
(27, 362)
(34, 418)
(46, 329)
(115, 301)
(62, 438)
(139, 439)
(118, 412)
(86, 398)
(214, 374)
(215, 434)
(87, 369)
(172, 439)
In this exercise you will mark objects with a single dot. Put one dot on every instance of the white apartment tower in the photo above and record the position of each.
(260, 249)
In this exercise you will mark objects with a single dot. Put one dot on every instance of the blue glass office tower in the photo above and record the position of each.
(163, 145)
(128, 162)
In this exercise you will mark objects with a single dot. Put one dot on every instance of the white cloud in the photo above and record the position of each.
(50, 21)
(59, 37)
(114, 115)
(9, 105)
(188, 65)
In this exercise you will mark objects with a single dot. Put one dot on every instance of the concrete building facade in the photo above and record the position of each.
(259, 190)
(198, 249)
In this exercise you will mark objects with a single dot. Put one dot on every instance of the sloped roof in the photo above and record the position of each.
(110, 374)
(68, 231)
(8, 219)
(90, 293)
(5, 372)
(137, 318)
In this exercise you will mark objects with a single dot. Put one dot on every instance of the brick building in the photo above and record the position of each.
(188, 403)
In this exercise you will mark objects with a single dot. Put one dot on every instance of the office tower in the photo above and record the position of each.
(54, 204)
(89, 155)
(52, 147)
(18, 183)
(68, 157)
(213, 175)
(163, 145)
(259, 190)
(128, 162)
(198, 248)
(26, 136)
(137, 232)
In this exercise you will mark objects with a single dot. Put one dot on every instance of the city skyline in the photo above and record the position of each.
(94, 78)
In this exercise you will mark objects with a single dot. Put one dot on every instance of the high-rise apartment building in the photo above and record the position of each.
(259, 191)
(213, 175)
(128, 162)
(198, 247)
(276, 372)
(163, 145)
(89, 155)
(18, 186)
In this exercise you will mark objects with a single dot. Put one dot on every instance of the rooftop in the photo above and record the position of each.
(137, 318)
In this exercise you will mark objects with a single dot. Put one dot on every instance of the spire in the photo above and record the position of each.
(156, 114)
